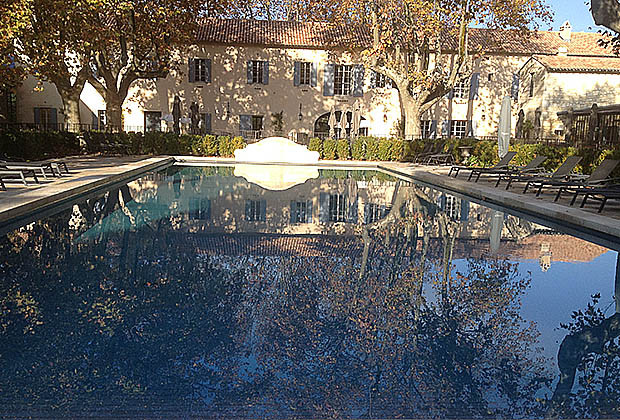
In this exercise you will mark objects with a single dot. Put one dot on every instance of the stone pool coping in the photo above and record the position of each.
(91, 179)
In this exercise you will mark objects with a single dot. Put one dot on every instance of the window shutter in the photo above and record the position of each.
(263, 210)
(208, 61)
(309, 211)
(433, 133)
(366, 213)
(296, 73)
(207, 123)
(265, 72)
(464, 210)
(37, 115)
(313, 75)
(248, 209)
(323, 207)
(328, 80)
(245, 122)
(191, 70)
(373, 79)
(473, 86)
(451, 94)
(444, 128)
(469, 131)
(249, 69)
(95, 121)
(389, 83)
(514, 89)
(293, 211)
(474, 128)
(53, 116)
(358, 81)
(352, 217)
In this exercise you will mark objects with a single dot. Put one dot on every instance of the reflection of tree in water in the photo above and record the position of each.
(133, 319)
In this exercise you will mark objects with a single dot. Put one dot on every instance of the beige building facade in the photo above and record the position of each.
(260, 78)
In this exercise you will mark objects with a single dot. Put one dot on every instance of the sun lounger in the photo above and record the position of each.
(560, 173)
(502, 164)
(442, 158)
(599, 177)
(4, 174)
(434, 148)
(601, 194)
(533, 166)
(40, 167)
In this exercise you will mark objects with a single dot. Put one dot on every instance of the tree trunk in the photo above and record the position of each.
(71, 107)
(410, 112)
(114, 112)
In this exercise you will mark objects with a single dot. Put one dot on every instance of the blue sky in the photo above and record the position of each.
(576, 11)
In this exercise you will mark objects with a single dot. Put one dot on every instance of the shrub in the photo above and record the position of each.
(204, 146)
(372, 148)
(397, 149)
(357, 149)
(236, 143)
(223, 146)
(316, 145)
(384, 149)
(342, 149)
(329, 149)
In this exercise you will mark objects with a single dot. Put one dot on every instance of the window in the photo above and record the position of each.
(337, 207)
(256, 70)
(255, 210)
(102, 119)
(201, 70)
(427, 126)
(458, 128)
(305, 73)
(374, 212)
(152, 121)
(461, 90)
(11, 106)
(257, 122)
(531, 84)
(342, 80)
(382, 81)
(301, 211)
(199, 209)
(452, 208)
(490, 77)
(46, 117)
(251, 126)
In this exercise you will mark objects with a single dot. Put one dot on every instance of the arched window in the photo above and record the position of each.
(322, 128)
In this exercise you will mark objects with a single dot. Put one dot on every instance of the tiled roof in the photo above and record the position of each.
(324, 35)
(565, 64)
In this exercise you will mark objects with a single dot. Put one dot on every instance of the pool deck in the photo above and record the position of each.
(90, 173)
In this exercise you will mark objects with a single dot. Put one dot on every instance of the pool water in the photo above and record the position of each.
(324, 293)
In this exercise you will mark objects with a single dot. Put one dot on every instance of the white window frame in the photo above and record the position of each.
(300, 212)
(461, 89)
(337, 208)
(426, 127)
(342, 79)
(255, 211)
(458, 128)
(305, 73)
(200, 70)
(257, 68)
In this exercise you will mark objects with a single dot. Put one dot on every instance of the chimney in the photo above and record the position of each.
(565, 31)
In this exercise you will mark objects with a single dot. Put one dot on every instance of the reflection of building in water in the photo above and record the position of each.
(203, 202)
(545, 256)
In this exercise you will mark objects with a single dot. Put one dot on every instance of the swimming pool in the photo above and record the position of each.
(315, 293)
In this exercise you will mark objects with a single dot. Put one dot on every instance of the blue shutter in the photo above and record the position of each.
(309, 211)
(464, 210)
(248, 209)
(366, 213)
(328, 80)
(245, 122)
(191, 70)
(514, 89)
(313, 75)
(323, 207)
(352, 211)
(444, 128)
(265, 72)
(95, 121)
(469, 131)
(249, 70)
(37, 115)
(263, 210)
(473, 86)
(53, 116)
(433, 133)
(296, 73)
(208, 70)
(451, 94)
(358, 81)
(293, 211)
(207, 123)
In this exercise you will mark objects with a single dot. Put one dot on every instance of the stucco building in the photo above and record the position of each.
(257, 78)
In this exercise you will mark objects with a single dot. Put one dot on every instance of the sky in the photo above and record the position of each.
(575, 11)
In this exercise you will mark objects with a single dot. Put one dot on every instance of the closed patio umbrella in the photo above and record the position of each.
(332, 123)
(357, 118)
(503, 132)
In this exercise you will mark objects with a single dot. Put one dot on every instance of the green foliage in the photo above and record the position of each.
(223, 147)
(397, 149)
(316, 145)
(33, 145)
(329, 149)
(236, 143)
(384, 149)
(372, 148)
(343, 150)
(205, 146)
(358, 149)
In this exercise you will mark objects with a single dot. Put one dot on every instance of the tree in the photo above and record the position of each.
(14, 18)
(138, 39)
